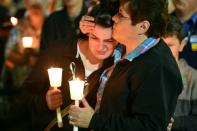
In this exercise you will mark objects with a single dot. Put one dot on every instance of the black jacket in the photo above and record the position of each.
(33, 110)
(140, 95)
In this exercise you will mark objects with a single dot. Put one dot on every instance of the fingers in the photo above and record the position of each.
(74, 111)
(54, 98)
(79, 116)
(73, 115)
(88, 18)
(72, 121)
(87, 24)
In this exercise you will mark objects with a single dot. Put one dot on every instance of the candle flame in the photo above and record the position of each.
(14, 21)
(27, 42)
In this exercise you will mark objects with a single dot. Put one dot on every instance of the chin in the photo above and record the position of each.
(102, 58)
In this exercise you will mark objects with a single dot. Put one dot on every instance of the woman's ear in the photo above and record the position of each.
(142, 27)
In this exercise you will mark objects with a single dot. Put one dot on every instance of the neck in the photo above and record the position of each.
(75, 9)
(84, 49)
(184, 15)
(131, 44)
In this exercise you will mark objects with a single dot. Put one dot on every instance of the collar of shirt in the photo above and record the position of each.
(142, 48)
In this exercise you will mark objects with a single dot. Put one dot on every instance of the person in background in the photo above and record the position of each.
(139, 92)
(171, 7)
(15, 53)
(38, 98)
(4, 33)
(186, 11)
(63, 25)
(19, 61)
(4, 30)
(185, 116)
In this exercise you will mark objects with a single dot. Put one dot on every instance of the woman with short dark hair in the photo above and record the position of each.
(139, 92)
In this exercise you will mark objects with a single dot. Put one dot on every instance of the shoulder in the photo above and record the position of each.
(61, 47)
(159, 61)
(58, 51)
(188, 71)
(159, 55)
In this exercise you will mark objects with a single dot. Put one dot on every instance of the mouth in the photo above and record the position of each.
(101, 52)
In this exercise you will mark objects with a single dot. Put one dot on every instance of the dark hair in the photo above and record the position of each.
(103, 14)
(174, 27)
(154, 11)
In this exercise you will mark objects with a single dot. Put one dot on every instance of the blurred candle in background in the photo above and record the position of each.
(14, 21)
(27, 42)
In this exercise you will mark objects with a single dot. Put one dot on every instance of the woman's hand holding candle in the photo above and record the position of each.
(81, 117)
(76, 92)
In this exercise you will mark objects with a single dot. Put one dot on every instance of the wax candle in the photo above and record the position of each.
(55, 78)
(76, 89)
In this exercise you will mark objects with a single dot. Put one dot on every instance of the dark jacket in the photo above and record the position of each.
(140, 95)
(32, 101)
(32, 105)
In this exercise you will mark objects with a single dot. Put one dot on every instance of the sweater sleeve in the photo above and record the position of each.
(188, 122)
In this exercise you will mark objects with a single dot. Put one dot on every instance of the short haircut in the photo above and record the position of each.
(154, 11)
(174, 27)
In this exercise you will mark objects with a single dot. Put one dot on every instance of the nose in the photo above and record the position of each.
(101, 45)
(115, 18)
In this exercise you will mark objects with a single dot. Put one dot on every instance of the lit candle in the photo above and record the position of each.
(14, 21)
(55, 78)
(27, 42)
(76, 89)
(76, 92)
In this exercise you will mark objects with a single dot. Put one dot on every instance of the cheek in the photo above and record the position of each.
(92, 45)
(110, 49)
(120, 27)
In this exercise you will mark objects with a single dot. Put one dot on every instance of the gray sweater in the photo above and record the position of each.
(185, 115)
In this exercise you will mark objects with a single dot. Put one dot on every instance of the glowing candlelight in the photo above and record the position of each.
(76, 92)
(76, 89)
(55, 78)
(14, 21)
(27, 42)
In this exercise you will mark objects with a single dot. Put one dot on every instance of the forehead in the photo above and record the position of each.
(101, 31)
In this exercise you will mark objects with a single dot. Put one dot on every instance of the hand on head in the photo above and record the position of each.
(86, 24)
(54, 98)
